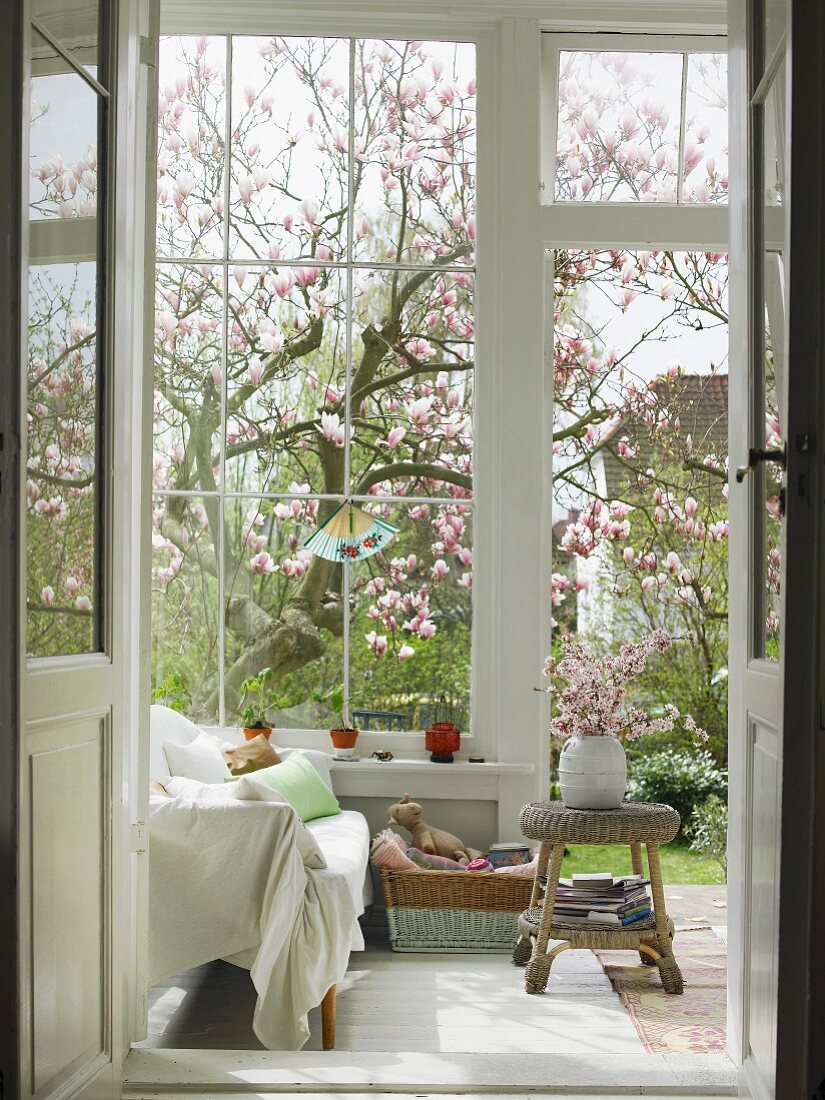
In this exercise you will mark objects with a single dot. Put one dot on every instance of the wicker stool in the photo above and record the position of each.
(632, 823)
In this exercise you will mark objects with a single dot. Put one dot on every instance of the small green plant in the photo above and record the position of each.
(335, 700)
(679, 779)
(173, 693)
(708, 830)
(254, 694)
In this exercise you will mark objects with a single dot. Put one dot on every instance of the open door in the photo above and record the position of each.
(776, 423)
(80, 377)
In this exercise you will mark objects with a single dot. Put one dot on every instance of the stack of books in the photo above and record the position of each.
(601, 900)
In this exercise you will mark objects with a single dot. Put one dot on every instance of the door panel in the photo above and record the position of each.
(68, 772)
(762, 903)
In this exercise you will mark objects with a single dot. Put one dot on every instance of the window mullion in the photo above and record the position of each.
(224, 382)
(348, 345)
(680, 168)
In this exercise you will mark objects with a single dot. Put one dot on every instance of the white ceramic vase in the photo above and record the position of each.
(593, 773)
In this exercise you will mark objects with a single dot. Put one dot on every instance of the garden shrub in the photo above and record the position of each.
(682, 780)
(708, 830)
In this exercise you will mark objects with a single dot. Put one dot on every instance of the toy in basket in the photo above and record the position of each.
(445, 910)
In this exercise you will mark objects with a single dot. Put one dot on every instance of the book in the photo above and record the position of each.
(605, 919)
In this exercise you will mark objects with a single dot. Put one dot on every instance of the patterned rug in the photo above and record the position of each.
(693, 1023)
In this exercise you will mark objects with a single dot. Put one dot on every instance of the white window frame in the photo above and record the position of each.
(594, 224)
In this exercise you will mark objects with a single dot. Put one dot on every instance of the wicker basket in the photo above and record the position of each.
(454, 910)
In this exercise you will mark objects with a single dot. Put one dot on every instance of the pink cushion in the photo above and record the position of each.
(386, 852)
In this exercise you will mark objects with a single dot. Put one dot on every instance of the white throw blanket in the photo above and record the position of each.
(227, 880)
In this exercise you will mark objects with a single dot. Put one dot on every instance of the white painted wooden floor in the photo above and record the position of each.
(414, 1002)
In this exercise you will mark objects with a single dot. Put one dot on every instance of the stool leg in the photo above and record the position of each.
(669, 970)
(524, 945)
(538, 969)
(638, 869)
(636, 858)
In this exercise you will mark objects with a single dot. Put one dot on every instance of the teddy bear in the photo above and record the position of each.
(407, 814)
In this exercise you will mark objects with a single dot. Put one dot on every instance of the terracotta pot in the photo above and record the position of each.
(253, 731)
(344, 739)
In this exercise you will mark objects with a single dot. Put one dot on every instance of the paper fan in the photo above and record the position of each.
(350, 534)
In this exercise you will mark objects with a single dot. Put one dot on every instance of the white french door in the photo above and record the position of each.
(775, 423)
(81, 515)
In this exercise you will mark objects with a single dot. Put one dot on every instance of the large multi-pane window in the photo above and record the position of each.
(314, 342)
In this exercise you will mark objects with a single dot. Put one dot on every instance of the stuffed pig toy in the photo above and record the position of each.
(407, 814)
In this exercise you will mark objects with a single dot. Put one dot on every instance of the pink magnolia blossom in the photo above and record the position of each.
(405, 652)
(262, 564)
(395, 437)
(332, 428)
(591, 697)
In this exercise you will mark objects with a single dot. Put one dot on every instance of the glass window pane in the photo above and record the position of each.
(706, 129)
(63, 178)
(640, 479)
(185, 541)
(283, 608)
(76, 26)
(290, 148)
(411, 621)
(415, 150)
(191, 136)
(413, 393)
(769, 479)
(618, 126)
(188, 377)
(285, 407)
(63, 493)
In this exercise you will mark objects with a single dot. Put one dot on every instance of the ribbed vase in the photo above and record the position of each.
(593, 773)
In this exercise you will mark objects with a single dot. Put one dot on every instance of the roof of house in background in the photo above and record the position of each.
(702, 402)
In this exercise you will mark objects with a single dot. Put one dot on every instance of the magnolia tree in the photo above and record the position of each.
(317, 378)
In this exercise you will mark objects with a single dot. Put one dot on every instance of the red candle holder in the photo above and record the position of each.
(441, 740)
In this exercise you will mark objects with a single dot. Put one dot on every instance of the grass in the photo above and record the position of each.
(680, 866)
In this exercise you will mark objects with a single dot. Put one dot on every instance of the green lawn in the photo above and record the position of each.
(680, 866)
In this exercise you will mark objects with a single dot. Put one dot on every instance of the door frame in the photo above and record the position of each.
(800, 1064)
(798, 954)
(11, 116)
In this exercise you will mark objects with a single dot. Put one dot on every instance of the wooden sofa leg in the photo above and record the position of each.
(328, 1019)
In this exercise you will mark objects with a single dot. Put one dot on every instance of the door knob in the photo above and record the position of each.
(757, 455)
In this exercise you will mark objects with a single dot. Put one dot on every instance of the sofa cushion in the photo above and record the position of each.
(166, 725)
(344, 841)
(251, 756)
(297, 782)
(321, 761)
(201, 759)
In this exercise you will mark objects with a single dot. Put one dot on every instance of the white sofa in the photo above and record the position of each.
(243, 881)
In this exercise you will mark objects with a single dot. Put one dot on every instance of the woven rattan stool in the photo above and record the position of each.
(632, 823)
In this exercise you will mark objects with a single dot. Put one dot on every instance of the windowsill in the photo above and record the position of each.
(424, 766)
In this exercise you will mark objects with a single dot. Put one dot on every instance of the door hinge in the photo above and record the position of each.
(138, 831)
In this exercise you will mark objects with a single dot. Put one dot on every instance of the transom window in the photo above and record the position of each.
(641, 123)
(314, 339)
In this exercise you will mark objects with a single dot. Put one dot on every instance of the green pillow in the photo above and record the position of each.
(297, 781)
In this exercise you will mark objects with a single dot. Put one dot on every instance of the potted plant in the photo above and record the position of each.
(344, 735)
(172, 693)
(253, 715)
(592, 715)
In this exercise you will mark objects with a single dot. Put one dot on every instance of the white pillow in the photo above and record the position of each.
(321, 761)
(195, 791)
(254, 790)
(201, 759)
